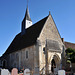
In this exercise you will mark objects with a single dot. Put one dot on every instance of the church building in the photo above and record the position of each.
(38, 46)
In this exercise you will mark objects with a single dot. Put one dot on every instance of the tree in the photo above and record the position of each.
(70, 53)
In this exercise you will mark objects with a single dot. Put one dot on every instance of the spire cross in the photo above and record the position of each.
(27, 3)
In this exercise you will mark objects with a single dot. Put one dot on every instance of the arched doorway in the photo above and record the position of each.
(4, 63)
(55, 63)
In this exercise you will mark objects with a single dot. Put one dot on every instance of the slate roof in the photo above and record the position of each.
(69, 45)
(28, 39)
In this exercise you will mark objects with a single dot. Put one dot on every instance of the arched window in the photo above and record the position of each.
(0, 64)
(16, 55)
(4, 63)
(26, 54)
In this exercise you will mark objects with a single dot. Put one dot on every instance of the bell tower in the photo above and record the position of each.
(26, 23)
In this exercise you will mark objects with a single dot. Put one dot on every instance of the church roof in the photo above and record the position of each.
(28, 39)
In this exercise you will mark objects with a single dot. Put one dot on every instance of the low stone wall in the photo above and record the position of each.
(73, 67)
(67, 66)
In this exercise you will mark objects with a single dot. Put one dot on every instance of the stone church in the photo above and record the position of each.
(37, 47)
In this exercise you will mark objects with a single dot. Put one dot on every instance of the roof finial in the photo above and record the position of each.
(27, 3)
(49, 13)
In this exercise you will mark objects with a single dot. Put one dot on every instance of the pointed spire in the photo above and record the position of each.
(26, 23)
(49, 13)
(27, 16)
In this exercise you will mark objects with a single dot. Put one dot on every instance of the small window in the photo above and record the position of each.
(44, 50)
(16, 55)
(26, 54)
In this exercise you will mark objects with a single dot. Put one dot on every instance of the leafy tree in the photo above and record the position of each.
(70, 53)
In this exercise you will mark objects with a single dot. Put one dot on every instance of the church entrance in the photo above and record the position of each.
(55, 63)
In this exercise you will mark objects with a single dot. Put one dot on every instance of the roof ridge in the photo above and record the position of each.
(69, 42)
(37, 22)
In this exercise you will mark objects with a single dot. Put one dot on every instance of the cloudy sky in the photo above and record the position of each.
(12, 13)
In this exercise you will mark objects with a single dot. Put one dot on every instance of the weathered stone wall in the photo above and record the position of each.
(42, 57)
(50, 31)
(18, 59)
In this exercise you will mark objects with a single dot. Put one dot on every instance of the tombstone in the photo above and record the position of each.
(26, 72)
(61, 72)
(14, 71)
(36, 71)
(5, 72)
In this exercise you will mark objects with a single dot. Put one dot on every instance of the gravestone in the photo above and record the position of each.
(5, 72)
(61, 72)
(26, 72)
(14, 71)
